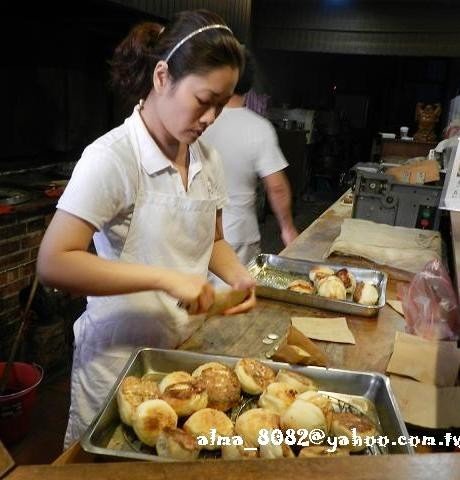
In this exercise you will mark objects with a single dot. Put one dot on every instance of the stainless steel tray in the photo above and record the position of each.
(273, 274)
(363, 390)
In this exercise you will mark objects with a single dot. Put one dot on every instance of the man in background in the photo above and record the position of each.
(249, 148)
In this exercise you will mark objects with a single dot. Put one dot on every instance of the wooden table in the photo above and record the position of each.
(242, 335)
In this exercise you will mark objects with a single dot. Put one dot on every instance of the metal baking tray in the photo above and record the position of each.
(273, 274)
(369, 393)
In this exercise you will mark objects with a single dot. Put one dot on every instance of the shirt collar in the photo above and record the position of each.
(151, 157)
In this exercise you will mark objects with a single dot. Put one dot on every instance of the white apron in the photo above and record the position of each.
(165, 230)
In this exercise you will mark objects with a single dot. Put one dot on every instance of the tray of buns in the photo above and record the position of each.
(172, 405)
(329, 286)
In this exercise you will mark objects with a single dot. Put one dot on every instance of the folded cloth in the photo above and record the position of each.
(404, 248)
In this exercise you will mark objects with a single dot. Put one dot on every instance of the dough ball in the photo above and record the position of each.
(322, 451)
(172, 378)
(322, 402)
(366, 294)
(237, 452)
(276, 451)
(302, 286)
(348, 279)
(302, 414)
(299, 382)
(344, 422)
(250, 422)
(254, 376)
(332, 287)
(186, 397)
(177, 444)
(319, 272)
(277, 397)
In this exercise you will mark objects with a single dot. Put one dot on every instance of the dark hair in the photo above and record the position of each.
(247, 76)
(135, 58)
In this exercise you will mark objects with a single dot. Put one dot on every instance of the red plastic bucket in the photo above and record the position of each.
(18, 399)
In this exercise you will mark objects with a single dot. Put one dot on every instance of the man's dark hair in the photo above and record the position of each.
(247, 78)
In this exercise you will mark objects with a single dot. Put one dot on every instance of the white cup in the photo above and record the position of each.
(404, 131)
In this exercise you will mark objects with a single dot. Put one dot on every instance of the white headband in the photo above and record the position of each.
(190, 35)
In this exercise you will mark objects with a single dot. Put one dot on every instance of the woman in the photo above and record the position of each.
(150, 195)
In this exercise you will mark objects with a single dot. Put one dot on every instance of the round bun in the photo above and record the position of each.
(177, 444)
(254, 376)
(319, 272)
(131, 393)
(237, 452)
(222, 385)
(276, 451)
(186, 397)
(302, 286)
(172, 378)
(332, 287)
(366, 294)
(348, 280)
(150, 418)
(277, 397)
(322, 402)
(202, 421)
(250, 422)
(344, 422)
(299, 382)
(323, 451)
(302, 414)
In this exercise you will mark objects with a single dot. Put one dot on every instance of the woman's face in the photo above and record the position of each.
(190, 105)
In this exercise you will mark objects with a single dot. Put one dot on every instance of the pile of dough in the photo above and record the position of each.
(150, 418)
(249, 424)
(201, 423)
(254, 376)
(131, 393)
(186, 397)
(177, 444)
(299, 382)
(222, 385)
(277, 397)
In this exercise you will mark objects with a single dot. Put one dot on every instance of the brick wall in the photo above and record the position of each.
(20, 237)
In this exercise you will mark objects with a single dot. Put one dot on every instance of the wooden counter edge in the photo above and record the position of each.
(428, 466)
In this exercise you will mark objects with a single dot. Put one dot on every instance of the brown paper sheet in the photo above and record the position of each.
(426, 405)
(423, 171)
(396, 305)
(326, 329)
(432, 362)
(297, 348)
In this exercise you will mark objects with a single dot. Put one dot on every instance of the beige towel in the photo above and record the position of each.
(404, 248)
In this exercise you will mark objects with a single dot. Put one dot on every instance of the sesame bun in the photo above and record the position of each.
(222, 385)
(201, 423)
(172, 378)
(250, 422)
(299, 382)
(177, 444)
(150, 418)
(277, 397)
(131, 393)
(344, 422)
(186, 397)
(253, 375)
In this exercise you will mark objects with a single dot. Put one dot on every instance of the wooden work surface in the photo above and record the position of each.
(242, 336)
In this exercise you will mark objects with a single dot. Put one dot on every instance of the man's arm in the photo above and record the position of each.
(279, 195)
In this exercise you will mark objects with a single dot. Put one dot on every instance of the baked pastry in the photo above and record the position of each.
(222, 385)
(131, 393)
(323, 451)
(276, 451)
(366, 293)
(151, 418)
(348, 280)
(249, 424)
(343, 423)
(332, 287)
(177, 444)
(201, 423)
(303, 414)
(320, 401)
(299, 382)
(319, 272)
(186, 397)
(172, 378)
(237, 452)
(302, 286)
(277, 397)
(254, 376)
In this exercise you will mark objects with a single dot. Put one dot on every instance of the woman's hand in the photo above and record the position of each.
(194, 293)
(244, 282)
